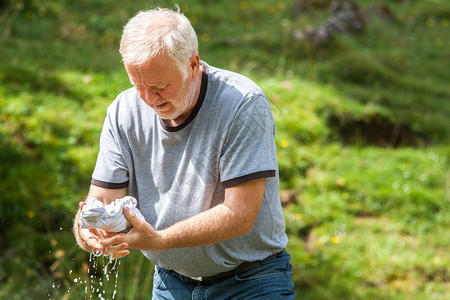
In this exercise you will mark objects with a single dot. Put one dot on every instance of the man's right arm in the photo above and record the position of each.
(88, 239)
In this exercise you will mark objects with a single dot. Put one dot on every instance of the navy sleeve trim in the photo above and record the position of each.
(109, 185)
(245, 178)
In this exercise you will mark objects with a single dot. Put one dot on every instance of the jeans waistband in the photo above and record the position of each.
(209, 280)
(241, 269)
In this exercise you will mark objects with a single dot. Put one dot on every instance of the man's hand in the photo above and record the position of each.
(141, 236)
(89, 240)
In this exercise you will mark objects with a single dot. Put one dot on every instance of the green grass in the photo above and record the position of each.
(371, 233)
(362, 137)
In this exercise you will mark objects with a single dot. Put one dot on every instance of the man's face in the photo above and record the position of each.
(160, 84)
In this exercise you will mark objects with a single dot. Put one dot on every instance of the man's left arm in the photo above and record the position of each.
(234, 217)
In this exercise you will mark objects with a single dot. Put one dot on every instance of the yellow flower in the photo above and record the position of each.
(298, 216)
(284, 144)
(31, 214)
(336, 240)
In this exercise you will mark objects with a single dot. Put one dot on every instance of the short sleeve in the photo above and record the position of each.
(249, 151)
(110, 170)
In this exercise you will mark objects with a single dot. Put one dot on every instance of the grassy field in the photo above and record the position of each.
(362, 136)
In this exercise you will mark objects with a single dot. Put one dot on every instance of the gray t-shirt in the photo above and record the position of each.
(178, 172)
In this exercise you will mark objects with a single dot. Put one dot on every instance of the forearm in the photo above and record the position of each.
(212, 226)
(106, 195)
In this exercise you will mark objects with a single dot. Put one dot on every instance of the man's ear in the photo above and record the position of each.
(195, 64)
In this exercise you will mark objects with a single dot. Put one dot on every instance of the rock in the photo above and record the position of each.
(345, 18)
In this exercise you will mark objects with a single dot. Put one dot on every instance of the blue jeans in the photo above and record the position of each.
(271, 280)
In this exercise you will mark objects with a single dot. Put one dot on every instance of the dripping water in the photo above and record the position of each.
(101, 274)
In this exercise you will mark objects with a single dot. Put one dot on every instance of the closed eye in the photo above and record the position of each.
(153, 88)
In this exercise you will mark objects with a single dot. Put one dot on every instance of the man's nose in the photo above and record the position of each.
(150, 96)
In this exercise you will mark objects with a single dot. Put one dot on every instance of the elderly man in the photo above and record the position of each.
(195, 146)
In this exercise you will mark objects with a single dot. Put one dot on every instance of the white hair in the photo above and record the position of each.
(155, 32)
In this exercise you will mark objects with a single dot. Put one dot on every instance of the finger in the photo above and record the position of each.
(115, 240)
(132, 217)
(115, 250)
(90, 236)
(97, 233)
(94, 243)
(120, 254)
(101, 233)
(81, 204)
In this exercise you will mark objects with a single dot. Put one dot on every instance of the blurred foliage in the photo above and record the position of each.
(362, 137)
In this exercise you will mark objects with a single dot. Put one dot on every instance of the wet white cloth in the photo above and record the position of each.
(109, 217)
